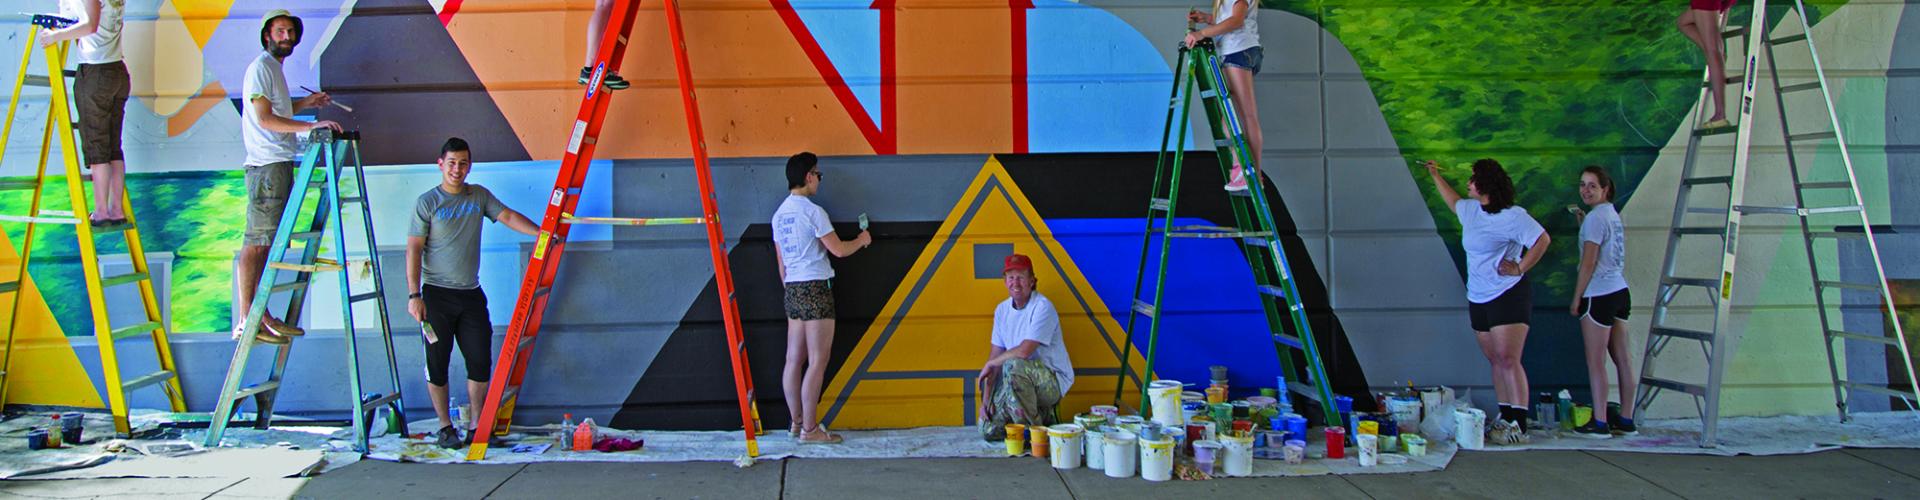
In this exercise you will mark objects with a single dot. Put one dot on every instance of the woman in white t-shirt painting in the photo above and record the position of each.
(802, 237)
(1601, 302)
(1234, 26)
(1494, 232)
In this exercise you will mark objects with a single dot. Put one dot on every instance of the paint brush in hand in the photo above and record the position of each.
(336, 104)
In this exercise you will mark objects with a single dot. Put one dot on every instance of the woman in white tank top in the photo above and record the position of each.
(1236, 33)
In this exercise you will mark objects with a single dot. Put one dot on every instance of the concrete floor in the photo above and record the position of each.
(1853, 473)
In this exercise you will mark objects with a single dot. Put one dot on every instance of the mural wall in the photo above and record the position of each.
(967, 130)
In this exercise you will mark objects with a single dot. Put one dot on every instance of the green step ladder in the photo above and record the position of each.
(1197, 72)
(329, 154)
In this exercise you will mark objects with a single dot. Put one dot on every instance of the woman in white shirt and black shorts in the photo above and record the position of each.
(1601, 302)
(1493, 232)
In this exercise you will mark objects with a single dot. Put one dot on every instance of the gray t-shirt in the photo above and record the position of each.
(1602, 227)
(451, 224)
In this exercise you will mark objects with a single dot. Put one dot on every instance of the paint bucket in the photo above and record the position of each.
(1219, 372)
(1405, 410)
(37, 439)
(1095, 447)
(1239, 454)
(1130, 423)
(1196, 432)
(1089, 421)
(1275, 439)
(1270, 392)
(1296, 426)
(1065, 444)
(1205, 453)
(1581, 414)
(1416, 445)
(1165, 398)
(1369, 450)
(1262, 403)
(1186, 396)
(1369, 428)
(1216, 394)
(1156, 458)
(1037, 441)
(1120, 454)
(1108, 411)
(1191, 409)
(1336, 442)
(1016, 440)
(1221, 413)
(1295, 451)
(1468, 423)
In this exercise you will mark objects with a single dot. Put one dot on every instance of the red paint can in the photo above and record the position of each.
(1195, 432)
(1336, 442)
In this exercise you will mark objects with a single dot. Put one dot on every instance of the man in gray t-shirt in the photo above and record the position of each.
(443, 247)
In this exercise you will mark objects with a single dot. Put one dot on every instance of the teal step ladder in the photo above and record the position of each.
(1197, 72)
(333, 156)
(1708, 218)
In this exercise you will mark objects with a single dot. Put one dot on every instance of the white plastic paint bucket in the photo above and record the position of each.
(1156, 459)
(1096, 448)
(1065, 440)
(1165, 397)
(1469, 425)
(1369, 449)
(1405, 410)
(1238, 451)
(1120, 454)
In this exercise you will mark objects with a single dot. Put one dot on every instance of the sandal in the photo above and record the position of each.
(809, 437)
(794, 431)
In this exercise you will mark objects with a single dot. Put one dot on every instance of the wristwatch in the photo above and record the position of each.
(413, 295)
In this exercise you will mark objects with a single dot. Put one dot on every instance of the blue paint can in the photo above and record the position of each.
(37, 439)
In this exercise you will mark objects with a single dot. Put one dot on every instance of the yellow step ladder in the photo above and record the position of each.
(60, 125)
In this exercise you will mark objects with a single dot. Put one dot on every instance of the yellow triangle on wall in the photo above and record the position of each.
(43, 369)
(915, 365)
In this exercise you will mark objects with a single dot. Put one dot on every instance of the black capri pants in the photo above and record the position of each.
(458, 316)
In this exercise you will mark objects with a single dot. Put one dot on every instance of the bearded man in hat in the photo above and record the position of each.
(1027, 368)
(268, 132)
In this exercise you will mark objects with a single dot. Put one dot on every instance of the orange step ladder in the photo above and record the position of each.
(510, 368)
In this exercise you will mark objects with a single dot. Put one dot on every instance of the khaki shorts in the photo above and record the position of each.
(267, 189)
(100, 93)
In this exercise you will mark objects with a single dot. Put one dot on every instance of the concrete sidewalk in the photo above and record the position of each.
(1853, 473)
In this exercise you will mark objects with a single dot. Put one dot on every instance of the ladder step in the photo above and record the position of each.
(1709, 132)
(1304, 390)
(1289, 341)
(19, 185)
(1734, 32)
(1881, 339)
(632, 221)
(1699, 282)
(1212, 232)
(38, 81)
(1788, 39)
(1812, 136)
(1834, 210)
(306, 235)
(363, 297)
(122, 279)
(1707, 210)
(319, 266)
(542, 291)
(1838, 234)
(10, 287)
(1717, 179)
(1851, 385)
(1256, 241)
(1222, 143)
(1244, 193)
(1706, 231)
(106, 230)
(39, 220)
(1799, 87)
(1675, 386)
(1272, 290)
(288, 286)
(249, 391)
(1756, 209)
(524, 342)
(129, 331)
(1849, 285)
(146, 380)
(1144, 308)
(1682, 333)
(354, 199)
(378, 402)
(1160, 204)
(1827, 185)
(1732, 81)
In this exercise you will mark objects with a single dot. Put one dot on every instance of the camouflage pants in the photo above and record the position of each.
(1025, 393)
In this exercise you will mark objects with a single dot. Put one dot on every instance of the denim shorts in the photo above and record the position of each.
(1248, 59)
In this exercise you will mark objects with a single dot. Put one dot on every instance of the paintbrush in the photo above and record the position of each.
(349, 109)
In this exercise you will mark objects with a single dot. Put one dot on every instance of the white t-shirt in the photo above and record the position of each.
(797, 227)
(1037, 322)
(1489, 239)
(1602, 227)
(1246, 37)
(103, 46)
(265, 79)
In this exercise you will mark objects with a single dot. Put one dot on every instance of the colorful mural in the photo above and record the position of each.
(964, 126)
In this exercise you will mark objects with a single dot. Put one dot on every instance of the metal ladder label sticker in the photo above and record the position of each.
(579, 134)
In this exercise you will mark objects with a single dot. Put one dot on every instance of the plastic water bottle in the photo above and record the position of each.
(564, 438)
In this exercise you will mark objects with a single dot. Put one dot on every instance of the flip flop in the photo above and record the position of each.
(831, 438)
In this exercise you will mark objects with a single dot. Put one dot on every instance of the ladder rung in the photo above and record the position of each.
(377, 402)
(1682, 333)
(1272, 290)
(38, 81)
(1716, 179)
(1222, 143)
(1144, 308)
(1837, 234)
(632, 221)
(317, 267)
(306, 235)
(1207, 94)
(1699, 282)
(1788, 39)
(1161, 204)
(1812, 136)
(364, 296)
(1756, 209)
(122, 279)
(1256, 241)
(17, 185)
(1833, 210)
(146, 380)
(526, 341)
(1708, 231)
(1707, 210)
(1289, 341)
(1851, 385)
(1244, 193)
(542, 291)
(1862, 337)
(1734, 32)
(10, 287)
(39, 220)
(1304, 390)
(1709, 132)
(1212, 232)
(508, 394)
(1849, 285)
(288, 286)
(1827, 185)
(129, 331)
(1799, 87)
(110, 229)
(354, 199)
(1675, 386)
(268, 386)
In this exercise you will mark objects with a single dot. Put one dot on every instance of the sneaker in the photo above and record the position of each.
(1506, 432)
(1623, 426)
(1239, 181)
(1720, 123)
(449, 438)
(585, 73)
(281, 328)
(1594, 429)
(613, 81)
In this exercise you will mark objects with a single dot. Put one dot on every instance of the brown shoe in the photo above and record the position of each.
(280, 328)
(263, 336)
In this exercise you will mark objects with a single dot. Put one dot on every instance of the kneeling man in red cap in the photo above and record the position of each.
(1027, 369)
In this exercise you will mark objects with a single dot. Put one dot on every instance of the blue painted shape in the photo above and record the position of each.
(849, 33)
(1212, 312)
(1094, 83)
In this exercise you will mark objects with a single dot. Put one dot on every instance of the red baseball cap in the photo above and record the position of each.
(1017, 262)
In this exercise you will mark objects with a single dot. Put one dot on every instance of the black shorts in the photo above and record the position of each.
(809, 300)
(458, 316)
(1604, 309)
(1514, 306)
